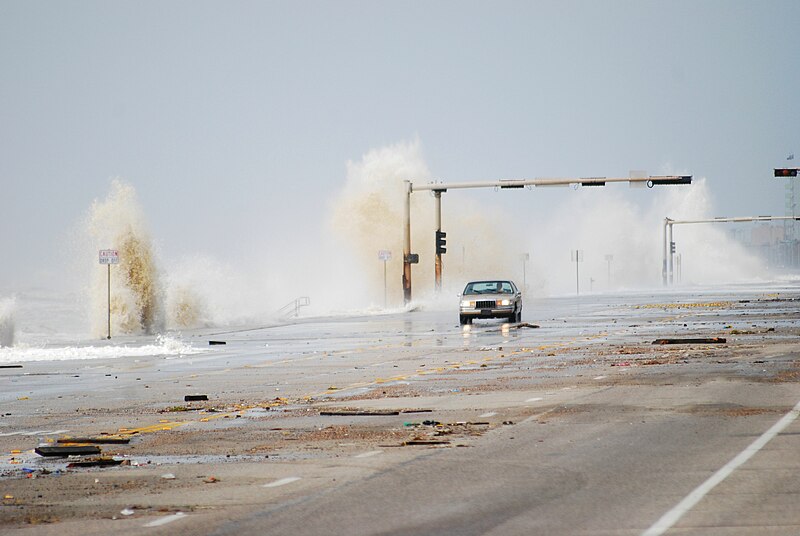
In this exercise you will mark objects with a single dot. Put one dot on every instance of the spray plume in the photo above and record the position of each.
(136, 297)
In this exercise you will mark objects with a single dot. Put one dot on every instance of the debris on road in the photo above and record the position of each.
(215, 343)
(195, 398)
(710, 340)
(66, 451)
(412, 442)
(358, 413)
(97, 462)
(94, 440)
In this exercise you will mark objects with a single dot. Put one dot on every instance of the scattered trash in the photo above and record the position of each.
(194, 398)
(508, 422)
(10, 366)
(66, 451)
(526, 325)
(621, 364)
(431, 423)
(711, 340)
(211, 480)
(95, 440)
(168, 476)
(127, 512)
(215, 343)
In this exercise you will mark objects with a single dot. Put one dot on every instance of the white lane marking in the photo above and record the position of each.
(167, 519)
(678, 511)
(368, 454)
(488, 414)
(535, 399)
(600, 378)
(282, 482)
(36, 432)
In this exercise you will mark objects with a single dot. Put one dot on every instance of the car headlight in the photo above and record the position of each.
(505, 302)
(466, 303)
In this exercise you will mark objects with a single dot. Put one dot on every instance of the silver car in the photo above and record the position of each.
(490, 299)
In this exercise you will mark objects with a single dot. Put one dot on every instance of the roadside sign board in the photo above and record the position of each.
(385, 255)
(109, 256)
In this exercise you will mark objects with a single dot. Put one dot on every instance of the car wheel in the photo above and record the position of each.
(464, 320)
(519, 316)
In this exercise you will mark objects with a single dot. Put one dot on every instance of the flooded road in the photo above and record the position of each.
(572, 422)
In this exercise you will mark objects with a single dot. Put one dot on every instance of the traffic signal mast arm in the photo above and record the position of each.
(584, 181)
(438, 188)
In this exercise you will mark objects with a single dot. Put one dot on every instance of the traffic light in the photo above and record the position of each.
(441, 242)
(786, 172)
(672, 247)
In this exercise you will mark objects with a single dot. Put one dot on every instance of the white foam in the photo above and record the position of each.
(165, 346)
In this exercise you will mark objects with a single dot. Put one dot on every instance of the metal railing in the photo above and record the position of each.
(293, 308)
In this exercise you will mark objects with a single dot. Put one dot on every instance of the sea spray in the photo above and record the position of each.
(627, 225)
(367, 216)
(136, 296)
(7, 308)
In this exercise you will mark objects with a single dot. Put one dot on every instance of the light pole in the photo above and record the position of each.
(577, 256)
(525, 257)
(609, 258)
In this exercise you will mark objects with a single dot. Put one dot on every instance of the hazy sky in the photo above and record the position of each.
(235, 120)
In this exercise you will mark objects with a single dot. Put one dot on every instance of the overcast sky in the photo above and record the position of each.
(236, 119)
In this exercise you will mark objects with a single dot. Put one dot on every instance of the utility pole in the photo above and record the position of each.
(609, 258)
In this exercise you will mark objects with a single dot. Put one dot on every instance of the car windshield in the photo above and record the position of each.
(489, 287)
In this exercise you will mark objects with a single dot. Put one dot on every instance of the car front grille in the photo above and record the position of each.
(485, 304)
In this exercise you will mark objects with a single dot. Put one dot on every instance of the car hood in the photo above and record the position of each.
(480, 297)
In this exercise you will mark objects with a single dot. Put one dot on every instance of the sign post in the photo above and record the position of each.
(109, 257)
(384, 255)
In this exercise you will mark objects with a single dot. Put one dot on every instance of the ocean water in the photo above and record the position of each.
(45, 325)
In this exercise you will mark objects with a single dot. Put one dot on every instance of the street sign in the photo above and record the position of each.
(385, 255)
(109, 256)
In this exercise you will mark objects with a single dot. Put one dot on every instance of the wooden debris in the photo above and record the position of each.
(97, 462)
(711, 340)
(426, 442)
(67, 451)
(94, 440)
(359, 413)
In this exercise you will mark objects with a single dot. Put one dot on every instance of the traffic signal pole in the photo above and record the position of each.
(664, 258)
(668, 275)
(671, 252)
(407, 245)
(437, 194)
(438, 188)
